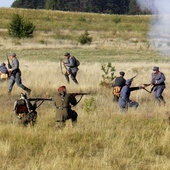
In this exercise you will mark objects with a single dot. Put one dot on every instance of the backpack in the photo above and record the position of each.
(77, 62)
(21, 106)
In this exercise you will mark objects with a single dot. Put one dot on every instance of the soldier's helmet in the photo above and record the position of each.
(23, 95)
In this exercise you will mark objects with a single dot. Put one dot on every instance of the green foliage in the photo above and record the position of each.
(20, 27)
(90, 104)
(117, 20)
(85, 39)
(108, 74)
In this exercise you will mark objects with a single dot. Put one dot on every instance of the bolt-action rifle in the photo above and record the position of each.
(9, 65)
(149, 84)
(81, 95)
(62, 63)
(133, 77)
(37, 99)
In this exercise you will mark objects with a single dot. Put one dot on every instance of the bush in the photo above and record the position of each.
(85, 39)
(19, 27)
(108, 74)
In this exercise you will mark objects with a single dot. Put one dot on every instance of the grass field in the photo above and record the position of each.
(104, 138)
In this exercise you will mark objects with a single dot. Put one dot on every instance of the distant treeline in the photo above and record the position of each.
(95, 6)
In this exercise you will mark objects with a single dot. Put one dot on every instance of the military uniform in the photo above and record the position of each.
(124, 99)
(72, 68)
(158, 82)
(63, 108)
(25, 111)
(16, 75)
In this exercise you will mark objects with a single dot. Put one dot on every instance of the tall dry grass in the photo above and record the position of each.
(103, 138)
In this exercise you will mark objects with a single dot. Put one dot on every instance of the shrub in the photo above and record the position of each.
(85, 39)
(19, 27)
(108, 74)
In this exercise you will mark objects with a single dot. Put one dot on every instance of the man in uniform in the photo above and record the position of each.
(124, 99)
(117, 86)
(4, 71)
(71, 67)
(15, 74)
(63, 102)
(158, 84)
(24, 110)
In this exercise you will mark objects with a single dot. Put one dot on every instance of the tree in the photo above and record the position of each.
(18, 27)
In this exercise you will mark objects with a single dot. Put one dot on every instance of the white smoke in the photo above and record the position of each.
(159, 33)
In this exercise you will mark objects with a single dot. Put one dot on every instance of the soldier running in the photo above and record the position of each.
(158, 84)
(15, 75)
(71, 67)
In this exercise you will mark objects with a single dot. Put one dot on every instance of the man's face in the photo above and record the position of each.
(11, 57)
(155, 72)
(67, 56)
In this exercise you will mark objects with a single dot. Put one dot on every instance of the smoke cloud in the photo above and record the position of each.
(159, 33)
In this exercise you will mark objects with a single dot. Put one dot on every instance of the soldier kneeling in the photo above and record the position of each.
(24, 110)
(63, 102)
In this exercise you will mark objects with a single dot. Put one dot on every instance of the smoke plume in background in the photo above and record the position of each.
(159, 33)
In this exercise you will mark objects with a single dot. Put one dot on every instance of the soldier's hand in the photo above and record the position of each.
(9, 70)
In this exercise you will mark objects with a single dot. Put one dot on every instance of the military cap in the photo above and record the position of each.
(13, 54)
(155, 68)
(67, 54)
(122, 73)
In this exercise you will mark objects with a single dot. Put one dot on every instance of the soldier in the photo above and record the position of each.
(24, 110)
(63, 102)
(15, 74)
(124, 99)
(158, 84)
(117, 86)
(4, 71)
(71, 67)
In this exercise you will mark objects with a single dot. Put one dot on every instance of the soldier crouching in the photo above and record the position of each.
(25, 111)
(63, 102)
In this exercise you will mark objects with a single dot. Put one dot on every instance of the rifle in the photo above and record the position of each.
(149, 84)
(62, 63)
(133, 77)
(39, 99)
(9, 65)
(76, 94)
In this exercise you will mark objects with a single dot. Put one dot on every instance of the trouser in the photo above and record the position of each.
(124, 105)
(61, 119)
(158, 94)
(17, 79)
(73, 76)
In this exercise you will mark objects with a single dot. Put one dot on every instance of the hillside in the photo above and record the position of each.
(115, 37)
